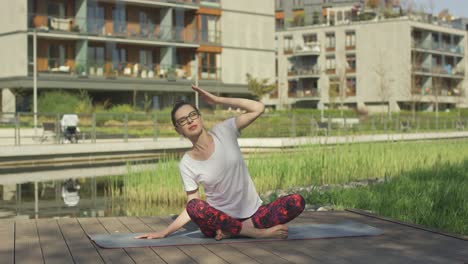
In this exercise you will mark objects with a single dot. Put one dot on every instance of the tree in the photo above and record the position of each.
(259, 87)
(384, 84)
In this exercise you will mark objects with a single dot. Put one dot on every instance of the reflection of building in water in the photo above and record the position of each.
(57, 198)
(8, 192)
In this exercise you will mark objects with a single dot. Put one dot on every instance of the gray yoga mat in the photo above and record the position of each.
(310, 231)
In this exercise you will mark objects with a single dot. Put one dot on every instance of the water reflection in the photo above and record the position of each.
(71, 197)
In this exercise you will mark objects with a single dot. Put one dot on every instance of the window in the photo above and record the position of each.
(209, 29)
(350, 40)
(96, 56)
(351, 62)
(119, 58)
(146, 61)
(56, 56)
(95, 19)
(330, 63)
(330, 41)
(209, 62)
(120, 24)
(309, 38)
(146, 24)
(288, 44)
(279, 23)
(351, 86)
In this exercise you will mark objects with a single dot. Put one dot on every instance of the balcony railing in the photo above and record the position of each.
(308, 48)
(444, 47)
(126, 70)
(304, 93)
(110, 29)
(304, 71)
(446, 70)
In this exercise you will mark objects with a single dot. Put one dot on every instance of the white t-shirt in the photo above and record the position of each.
(224, 175)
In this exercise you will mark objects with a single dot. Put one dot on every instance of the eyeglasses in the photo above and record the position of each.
(194, 115)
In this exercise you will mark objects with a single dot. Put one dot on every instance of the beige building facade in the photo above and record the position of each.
(376, 65)
(113, 48)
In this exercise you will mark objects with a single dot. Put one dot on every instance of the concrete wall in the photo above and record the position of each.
(248, 40)
(13, 42)
(14, 16)
(13, 55)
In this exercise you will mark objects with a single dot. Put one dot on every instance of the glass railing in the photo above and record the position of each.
(44, 22)
(210, 73)
(305, 92)
(210, 37)
(125, 70)
(210, 3)
(304, 71)
(443, 47)
(443, 70)
(111, 29)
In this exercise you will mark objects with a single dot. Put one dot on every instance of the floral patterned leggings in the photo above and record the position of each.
(209, 219)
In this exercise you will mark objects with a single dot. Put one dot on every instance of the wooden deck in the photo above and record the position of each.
(64, 241)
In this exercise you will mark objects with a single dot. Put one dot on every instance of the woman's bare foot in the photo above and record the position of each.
(279, 231)
(220, 234)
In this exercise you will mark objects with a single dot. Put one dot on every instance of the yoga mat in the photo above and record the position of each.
(310, 231)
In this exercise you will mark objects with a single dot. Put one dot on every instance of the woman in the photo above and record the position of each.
(233, 206)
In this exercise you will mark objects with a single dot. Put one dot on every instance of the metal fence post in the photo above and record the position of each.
(155, 127)
(93, 128)
(58, 129)
(17, 130)
(126, 128)
(293, 125)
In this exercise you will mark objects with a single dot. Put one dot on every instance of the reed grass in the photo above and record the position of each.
(435, 196)
(159, 184)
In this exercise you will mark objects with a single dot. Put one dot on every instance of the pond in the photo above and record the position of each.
(73, 197)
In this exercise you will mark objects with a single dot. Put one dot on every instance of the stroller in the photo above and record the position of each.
(69, 124)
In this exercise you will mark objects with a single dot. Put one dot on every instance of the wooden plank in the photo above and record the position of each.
(287, 250)
(7, 246)
(115, 255)
(81, 248)
(135, 225)
(168, 254)
(54, 248)
(257, 253)
(27, 247)
(139, 255)
(201, 255)
(230, 254)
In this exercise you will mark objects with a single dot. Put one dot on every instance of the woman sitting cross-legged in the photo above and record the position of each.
(233, 206)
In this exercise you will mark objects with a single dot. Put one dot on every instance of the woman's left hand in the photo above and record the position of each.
(206, 96)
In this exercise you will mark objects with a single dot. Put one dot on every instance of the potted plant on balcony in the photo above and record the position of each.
(171, 74)
(80, 70)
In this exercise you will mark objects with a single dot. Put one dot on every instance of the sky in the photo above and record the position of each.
(458, 8)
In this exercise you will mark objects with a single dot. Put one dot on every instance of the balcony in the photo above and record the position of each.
(304, 72)
(307, 49)
(123, 30)
(435, 47)
(304, 93)
(133, 70)
(447, 71)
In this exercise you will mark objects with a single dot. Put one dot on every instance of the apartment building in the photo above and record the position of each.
(378, 64)
(119, 49)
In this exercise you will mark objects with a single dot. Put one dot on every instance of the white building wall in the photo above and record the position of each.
(14, 16)
(248, 40)
(13, 42)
